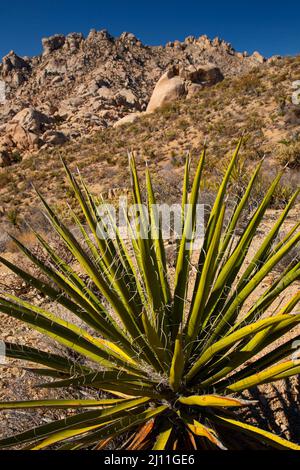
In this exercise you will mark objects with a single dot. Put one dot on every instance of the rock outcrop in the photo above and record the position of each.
(29, 130)
(128, 119)
(83, 84)
(258, 57)
(15, 69)
(53, 43)
(180, 82)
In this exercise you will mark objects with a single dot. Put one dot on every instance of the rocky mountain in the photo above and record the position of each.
(90, 100)
(79, 85)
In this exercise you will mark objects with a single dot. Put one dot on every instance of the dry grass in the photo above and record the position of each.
(289, 155)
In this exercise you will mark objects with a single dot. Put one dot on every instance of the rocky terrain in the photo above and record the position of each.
(256, 102)
(79, 85)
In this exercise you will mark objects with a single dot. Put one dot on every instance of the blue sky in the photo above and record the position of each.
(268, 26)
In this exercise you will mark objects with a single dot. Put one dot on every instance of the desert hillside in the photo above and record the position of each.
(80, 84)
(249, 97)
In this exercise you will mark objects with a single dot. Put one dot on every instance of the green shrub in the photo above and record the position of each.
(172, 365)
(13, 217)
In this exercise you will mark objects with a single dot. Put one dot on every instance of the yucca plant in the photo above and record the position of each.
(166, 358)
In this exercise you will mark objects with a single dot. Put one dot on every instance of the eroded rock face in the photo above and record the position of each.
(30, 120)
(85, 84)
(205, 75)
(73, 42)
(13, 62)
(28, 130)
(15, 69)
(258, 57)
(53, 43)
(179, 82)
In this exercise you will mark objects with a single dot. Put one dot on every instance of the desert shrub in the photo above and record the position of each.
(13, 216)
(289, 154)
(250, 83)
(181, 351)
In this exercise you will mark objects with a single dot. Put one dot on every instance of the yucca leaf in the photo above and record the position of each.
(214, 401)
(185, 189)
(132, 279)
(164, 436)
(124, 310)
(262, 254)
(231, 268)
(54, 361)
(221, 195)
(95, 314)
(87, 239)
(129, 387)
(148, 262)
(141, 435)
(203, 431)
(83, 419)
(268, 297)
(237, 301)
(264, 376)
(244, 351)
(132, 390)
(106, 245)
(157, 345)
(285, 374)
(74, 285)
(121, 304)
(59, 404)
(285, 239)
(157, 241)
(54, 294)
(214, 216)
(243, 333)
(99, 379)
(262, 338)
(113, 348)
(184, 251)
(259, 434)
(250, 348)
(119, 249)
(267, 360)
(177, 365)
(197, 317)
(123, 424)
(229, 232)
(67, 434)
(240, 251)
(64, 332)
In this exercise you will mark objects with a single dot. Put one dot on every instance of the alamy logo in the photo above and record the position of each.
(2, 92)
(157, 220)
(296, 94)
